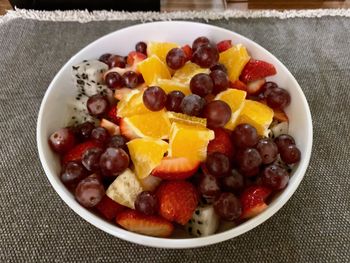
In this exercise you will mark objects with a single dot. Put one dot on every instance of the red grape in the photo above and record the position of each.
(200, 41)
(173, 101)
(284, 140)
(105, 58)
(220, 80)
(245, 135)
(114, 80)
(275, 177)
(114, 161)
(117, 141)
(176, 58)
(218, 164)
(268, 150)
(206, 56)
(208, 186)
(290, 154)
(89, 191)
(72, 174)
(116, 61)
(83, 130)
(217, 113)
(192, 105)
(141, 47)
(201, 84)
(100, 134)
(219, 66)
(228, 206)
(131, 79)
(249, 159)
(277, 98)
(154, 98)
(233, 182)
(62, 140)
(147, 203)
(91, 159)
(97, 105)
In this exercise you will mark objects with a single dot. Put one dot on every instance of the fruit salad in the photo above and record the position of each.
(172, 136)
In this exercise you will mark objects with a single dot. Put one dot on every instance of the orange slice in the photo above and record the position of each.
(256, 114)
(186, 119)
(235, 99)
(234, 59)
(153, 124)
(185, 74)
(160, 49)
(132, 104)
(189, 141)
(153, 69)
(146, 154)
(169, 85)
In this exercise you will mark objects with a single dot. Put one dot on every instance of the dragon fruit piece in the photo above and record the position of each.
(78, 111)
(204, 221)
(90, 70)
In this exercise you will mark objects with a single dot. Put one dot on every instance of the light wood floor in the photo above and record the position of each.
(174, 5)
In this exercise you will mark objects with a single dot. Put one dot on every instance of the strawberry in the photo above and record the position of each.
(76, 153)
(120, 93)
(188, 51)
(253, 200)
(108, 208)
(134, 58)
(126, 131)
(221, 143)
(175, 168)
(144, 224)
(238, 85)
(112, 128)
(254, 87)
(177, 200)
(224, 45)
(112, 115)
(257, 69)
(280, 115)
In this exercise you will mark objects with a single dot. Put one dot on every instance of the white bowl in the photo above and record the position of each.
(53, 115)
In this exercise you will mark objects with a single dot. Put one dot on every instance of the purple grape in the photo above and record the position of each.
(192, 105)
(154, 98)
(201, 84)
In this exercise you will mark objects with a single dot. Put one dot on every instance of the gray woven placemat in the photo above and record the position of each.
(314, 226)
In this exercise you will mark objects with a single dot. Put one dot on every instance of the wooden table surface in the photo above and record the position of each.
(172, 5)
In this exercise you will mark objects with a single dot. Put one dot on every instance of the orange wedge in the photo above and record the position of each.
(186, 119)
(153, 69)
(160, 49)
(235, 99)
(185, 74)
(189, 141)
(146, 154)
(153, 124)
(234, 59)
(132, 104)
(256, 114)
(169, 85)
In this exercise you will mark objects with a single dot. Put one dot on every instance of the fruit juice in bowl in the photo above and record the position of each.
(171, 140)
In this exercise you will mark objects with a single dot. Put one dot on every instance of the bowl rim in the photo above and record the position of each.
(167, 242)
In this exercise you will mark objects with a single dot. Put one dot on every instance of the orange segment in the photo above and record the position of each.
(234, 59)
(153, 69)
(186, 119)
(154, 124)
(235, 99)
(169, 85)
(256, 114)
(189, 141)
(185, 74)
(146, 154)
(132, 104)
(160, 49)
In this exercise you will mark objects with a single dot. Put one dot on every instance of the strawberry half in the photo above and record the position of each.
(76, 153)
(112, 115)
(255, 87)
(109, 208)
(177, 200)
(253, 200)
(134, 58)
(238, 85)
(143, 224)
(257, 69)
(126, 130)
(224, 45)
(188, 51)
(175, 168)
(112, 128)
(221, 143)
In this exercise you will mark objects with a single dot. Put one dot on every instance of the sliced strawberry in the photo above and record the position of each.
(108, 208)
(188, 51)
(143, 224)
(76, 153)
(134, 58)
(221, 143)
(175, 168)
(126, 130)
(238, 85)
(224, 45)
(280, 115)
(253, 200)
(257, 69)
(112, 128)
(112, 115)
(255, 87)
(177, 200)
(120, 93)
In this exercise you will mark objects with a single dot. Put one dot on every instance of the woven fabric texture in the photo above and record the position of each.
(314, 225)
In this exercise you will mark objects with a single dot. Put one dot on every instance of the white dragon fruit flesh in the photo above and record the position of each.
(204, 221)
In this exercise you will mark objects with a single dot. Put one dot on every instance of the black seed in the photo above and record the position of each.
(199, 232)
(98, 83)
(73, 118)
(78, 77)
(87, 83)
(75, 67)
(77, 98)
(200, 222)
(84, 76)
(87, 64)
(75, 108)
(190, 229)
(93, 81)
(85, 60)
(101, 71)
(80, 82)
(197, 212)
